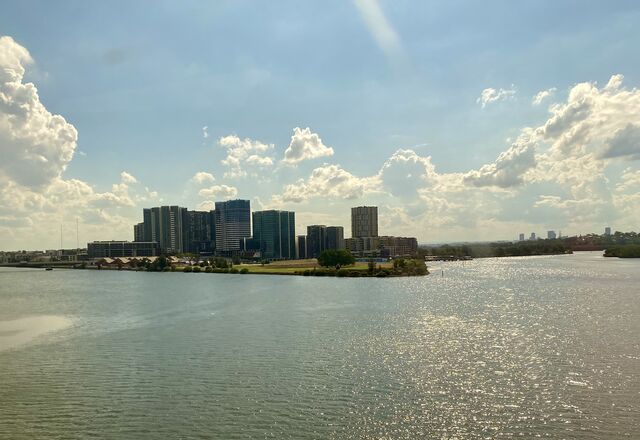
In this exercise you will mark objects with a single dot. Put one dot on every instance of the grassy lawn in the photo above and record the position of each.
(257, 268)
(293, 266)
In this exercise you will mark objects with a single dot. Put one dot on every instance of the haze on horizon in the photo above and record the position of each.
(460, 121)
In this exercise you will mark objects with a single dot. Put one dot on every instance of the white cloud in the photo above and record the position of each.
(219, 192)
(127, 178)
(202, 177)
(573, 159)
(260, 161)
(491, 95)
(385, 35)
(330, 181)
(510, 166)
(630, 179)
(542, 95)
(624, 143)
(207, 205)
(406, 171)
(594, 128)
(205, 132)
(305, 145)
(35, 145)
(565, 158)
(243, 152)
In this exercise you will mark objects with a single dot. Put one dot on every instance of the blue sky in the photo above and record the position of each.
(139, 80)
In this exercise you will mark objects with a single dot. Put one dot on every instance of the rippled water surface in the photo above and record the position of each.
(543, 347)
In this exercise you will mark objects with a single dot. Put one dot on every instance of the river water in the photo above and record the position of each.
(545, 347)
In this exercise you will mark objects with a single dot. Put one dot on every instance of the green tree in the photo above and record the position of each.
(220, 263)
(336, 257)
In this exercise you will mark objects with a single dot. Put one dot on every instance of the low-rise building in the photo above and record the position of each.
(363, 246)
(112, 249)
(385, 246)
(398, 246)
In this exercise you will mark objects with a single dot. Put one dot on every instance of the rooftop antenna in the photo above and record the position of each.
(77, 236)
(60, 235)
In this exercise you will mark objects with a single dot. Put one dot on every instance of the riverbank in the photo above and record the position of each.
(309, 267)
(399, 268)
(624, 251)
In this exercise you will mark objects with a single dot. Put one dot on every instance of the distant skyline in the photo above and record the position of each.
(461, 121)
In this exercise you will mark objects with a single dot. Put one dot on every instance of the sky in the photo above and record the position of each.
(460, 120)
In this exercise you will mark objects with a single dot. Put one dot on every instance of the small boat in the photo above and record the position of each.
(48, 268)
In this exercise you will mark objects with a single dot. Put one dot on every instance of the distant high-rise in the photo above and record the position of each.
(551, 235)
(316, 240)
(232, 223)
(199, 231)
(302, 247)
(335, 237)
(163, 225)
(533, 236)
(149, 226)
(607, 231)
(364, 221)
(138, 232)
(521, 237)
(275, 232)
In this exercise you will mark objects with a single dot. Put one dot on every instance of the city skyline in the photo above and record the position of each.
(451, 140)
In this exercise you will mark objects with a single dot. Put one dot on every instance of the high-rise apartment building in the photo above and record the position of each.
(276, 232)
(335, 237)
(316, 240)
(521, 237)
(532, 236)
(232, 224)
(607, 231)
(199, 232)
(302, 247)
(551, 235)
(364, 221)
(138, 232)
(163, 225)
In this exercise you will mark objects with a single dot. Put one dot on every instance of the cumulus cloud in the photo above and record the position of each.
(35, 149)
(406, 171)
(202, 177)
(509, 168)
(261, 161)
(205, 132)
(305, 145)
(573, 159)
(330, 181)
(35, 145)
(542, 95)
(491, 95)
(219, 192)
(624, 143)
(242, 152)
(568, 155)
(594, 127)
(102, 215)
